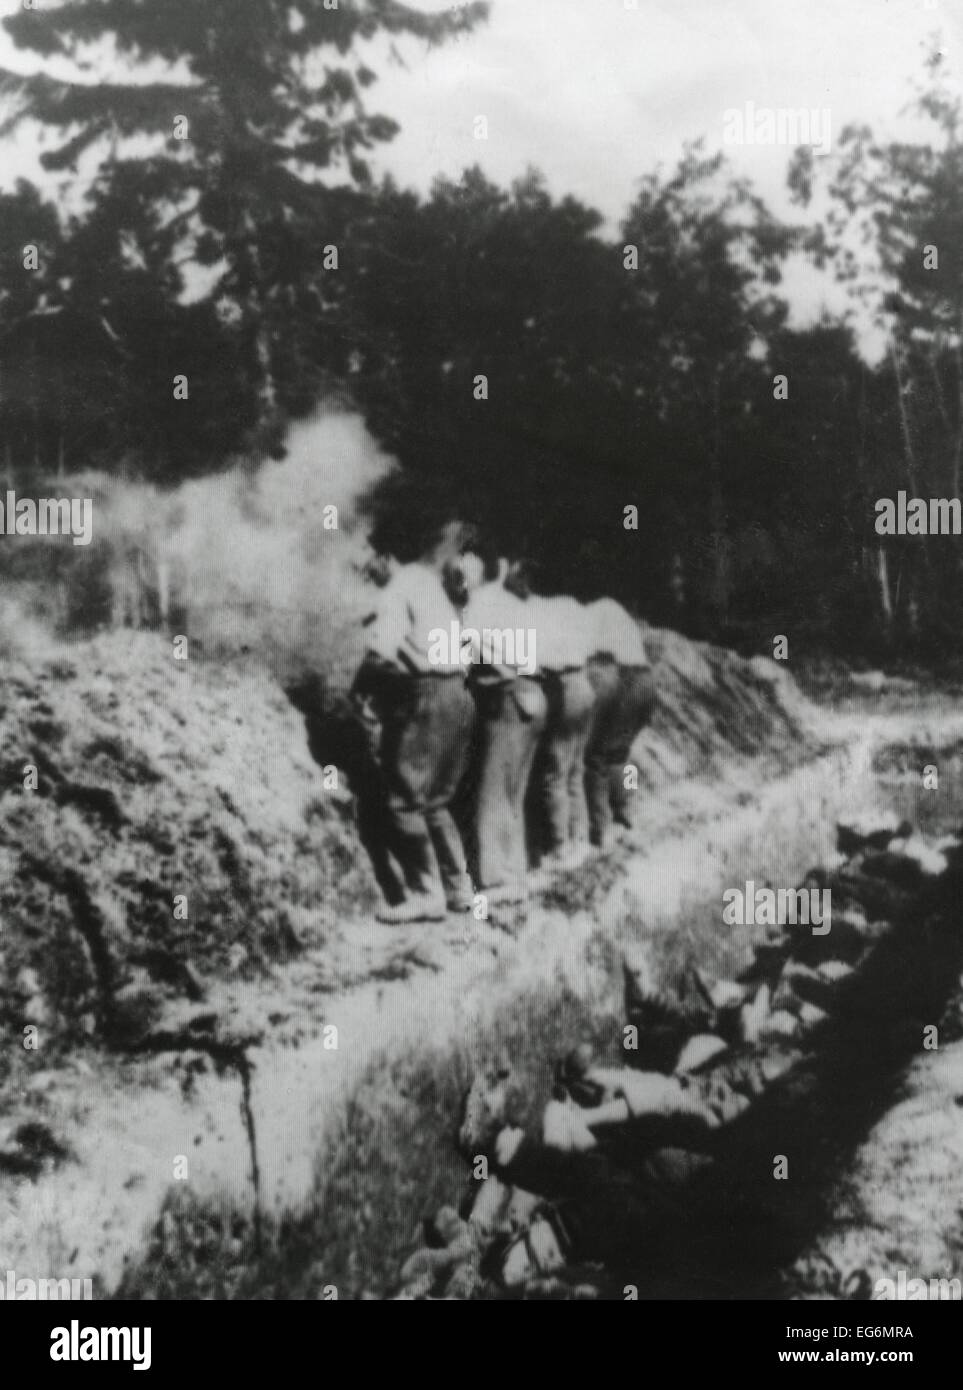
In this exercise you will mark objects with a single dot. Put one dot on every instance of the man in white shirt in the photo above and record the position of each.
(426, 716)
(563, 646)
(512, 710)
(621, 676)
(411, 606)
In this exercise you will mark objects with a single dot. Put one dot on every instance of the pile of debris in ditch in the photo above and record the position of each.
(699, 1162)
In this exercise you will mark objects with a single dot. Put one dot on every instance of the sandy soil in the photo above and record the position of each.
(211, 1069)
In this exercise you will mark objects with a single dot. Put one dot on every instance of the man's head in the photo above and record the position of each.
(379, 569)
(493, 1102)
(472, 570)
(461, 576)
(518, 579)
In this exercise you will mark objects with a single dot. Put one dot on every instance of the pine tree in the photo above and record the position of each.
(225, 116)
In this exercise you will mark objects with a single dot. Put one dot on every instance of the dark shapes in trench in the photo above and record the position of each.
(674, 1225)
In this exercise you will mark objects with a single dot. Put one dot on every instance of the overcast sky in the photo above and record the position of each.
(595, 93)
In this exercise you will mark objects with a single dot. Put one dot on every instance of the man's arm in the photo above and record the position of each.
(389, 628)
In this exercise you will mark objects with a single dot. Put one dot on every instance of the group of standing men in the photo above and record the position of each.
(530, 729)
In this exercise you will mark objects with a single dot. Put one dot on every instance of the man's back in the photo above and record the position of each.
(561, 631)
(411, 606)
(615, 633)
(492, 610)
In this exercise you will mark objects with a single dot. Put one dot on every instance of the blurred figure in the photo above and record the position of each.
(512, 710)
(621, 677)
(362, 739)
(380, 569)
(563, 645)
(425, 717)
(666, 1015)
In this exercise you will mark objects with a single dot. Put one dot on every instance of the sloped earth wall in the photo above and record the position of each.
(187, 1067)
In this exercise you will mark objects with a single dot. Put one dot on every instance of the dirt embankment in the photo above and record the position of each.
(162, 1036)
(177, 831)
(162, 824)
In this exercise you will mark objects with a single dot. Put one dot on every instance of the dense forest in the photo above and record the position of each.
(235, 261)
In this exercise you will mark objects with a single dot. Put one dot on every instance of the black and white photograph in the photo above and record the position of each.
(481, 661)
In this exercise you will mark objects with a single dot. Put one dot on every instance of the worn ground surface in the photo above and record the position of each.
(258, 1099)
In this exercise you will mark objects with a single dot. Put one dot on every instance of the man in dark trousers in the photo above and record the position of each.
(426, 716)
(621, 677)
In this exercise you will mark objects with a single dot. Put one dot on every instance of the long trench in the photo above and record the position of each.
(386, 1150)
(355, 1145)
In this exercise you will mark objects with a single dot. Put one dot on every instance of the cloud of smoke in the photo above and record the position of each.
(267, 559)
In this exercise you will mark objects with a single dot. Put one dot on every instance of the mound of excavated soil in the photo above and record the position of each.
(713, 706)
(160, 780)
(156, 779)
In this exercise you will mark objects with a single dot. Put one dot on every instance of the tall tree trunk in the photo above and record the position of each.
(958, 448)
(885, 596)
(874, 582)
(267, 385)
(721, 576)
(931, 589)
(250, 282)
(909, 453)
(677, 583)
